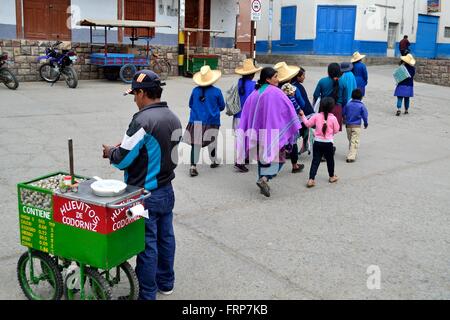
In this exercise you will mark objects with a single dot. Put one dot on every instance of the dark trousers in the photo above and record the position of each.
(154, 265)
(326, 150)
(195, 152)
(294, 153)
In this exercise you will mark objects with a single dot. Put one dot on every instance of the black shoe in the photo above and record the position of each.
(214, 165)
(193, 172)
(398, 113)
(241, 167)
(406, 112)
(300, 167)
(350, 160)
(265, 190)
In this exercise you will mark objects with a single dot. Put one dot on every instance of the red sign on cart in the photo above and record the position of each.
(90, 217)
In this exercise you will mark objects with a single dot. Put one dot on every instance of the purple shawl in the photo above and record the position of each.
(268, 123)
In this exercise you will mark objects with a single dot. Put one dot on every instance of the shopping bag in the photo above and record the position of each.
(232, 101)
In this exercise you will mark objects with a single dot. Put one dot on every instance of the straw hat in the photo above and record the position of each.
(247, 68)
(285, 72)
(409, 59)
(206, 77)
(357, 56)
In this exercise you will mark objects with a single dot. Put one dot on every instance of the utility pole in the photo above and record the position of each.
(269, 36)
(181, 25)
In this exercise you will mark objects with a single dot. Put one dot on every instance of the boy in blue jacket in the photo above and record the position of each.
(354, 112)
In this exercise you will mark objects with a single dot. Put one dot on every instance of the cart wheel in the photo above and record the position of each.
(95, 286)
(45, 282)
(111, 73)
(127, 73)
(123, 288)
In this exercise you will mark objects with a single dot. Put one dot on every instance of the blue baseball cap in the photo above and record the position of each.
(144, 79)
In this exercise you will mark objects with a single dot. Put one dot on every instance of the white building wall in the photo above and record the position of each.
(167, 15)
(223, 17)
(370, 26)
(444, 21)
(8, 12)
(98, 9)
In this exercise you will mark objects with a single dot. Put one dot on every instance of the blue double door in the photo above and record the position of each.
(288, 25)
(335, 30)
(426, 36)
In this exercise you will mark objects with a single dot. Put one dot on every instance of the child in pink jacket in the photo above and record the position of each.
(326, 127)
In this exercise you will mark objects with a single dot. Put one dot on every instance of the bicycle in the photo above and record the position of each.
(161, 66)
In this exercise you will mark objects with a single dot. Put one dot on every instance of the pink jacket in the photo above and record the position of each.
(318, 120)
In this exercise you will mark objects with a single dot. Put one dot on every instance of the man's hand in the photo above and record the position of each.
(106, 150)
(301, 113)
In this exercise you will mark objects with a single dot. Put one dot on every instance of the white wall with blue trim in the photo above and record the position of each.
(370, 28)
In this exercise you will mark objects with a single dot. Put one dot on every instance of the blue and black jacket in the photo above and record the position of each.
(148, 152)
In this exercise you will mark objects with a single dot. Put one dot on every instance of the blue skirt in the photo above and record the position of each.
(404, 91)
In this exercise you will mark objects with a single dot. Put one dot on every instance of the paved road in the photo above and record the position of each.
(390, 209)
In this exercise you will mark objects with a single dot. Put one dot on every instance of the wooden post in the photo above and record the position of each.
(120, 17)
(201, 21)
(71, 168)
(19, 20)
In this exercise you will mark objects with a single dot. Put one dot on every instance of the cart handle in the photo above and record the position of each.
(120, 206)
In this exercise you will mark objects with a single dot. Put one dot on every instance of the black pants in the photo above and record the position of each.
(322, 149)
(195, 152)
(294, 153)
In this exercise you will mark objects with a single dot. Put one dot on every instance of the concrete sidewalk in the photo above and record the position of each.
(390, 209)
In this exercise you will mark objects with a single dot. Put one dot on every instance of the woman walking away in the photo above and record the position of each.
(285, 75)
(348, 81)
(206, 103)
(360, 72)
(326, 127)
(246, 86)
(331, 87)
(268, 123)
(405, 89)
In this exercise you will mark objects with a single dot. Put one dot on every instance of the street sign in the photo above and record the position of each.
(256, 10)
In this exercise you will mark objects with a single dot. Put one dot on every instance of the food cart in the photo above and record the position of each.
(78, 239)
(124, 65)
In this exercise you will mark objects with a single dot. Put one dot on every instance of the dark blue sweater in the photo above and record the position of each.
(355, 111)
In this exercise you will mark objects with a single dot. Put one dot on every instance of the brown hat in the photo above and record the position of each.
(206, 77)
(285, 72)
(247, 68)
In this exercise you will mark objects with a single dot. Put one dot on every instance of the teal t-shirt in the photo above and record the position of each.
(325, 89)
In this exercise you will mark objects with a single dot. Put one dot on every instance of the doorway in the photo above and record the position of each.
(392, 39)
(46, 20)
(191, 21)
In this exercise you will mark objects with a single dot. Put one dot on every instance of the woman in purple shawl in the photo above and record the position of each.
(268, 123)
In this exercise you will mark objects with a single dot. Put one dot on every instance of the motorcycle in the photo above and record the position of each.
(6, 76)
(59, 63)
